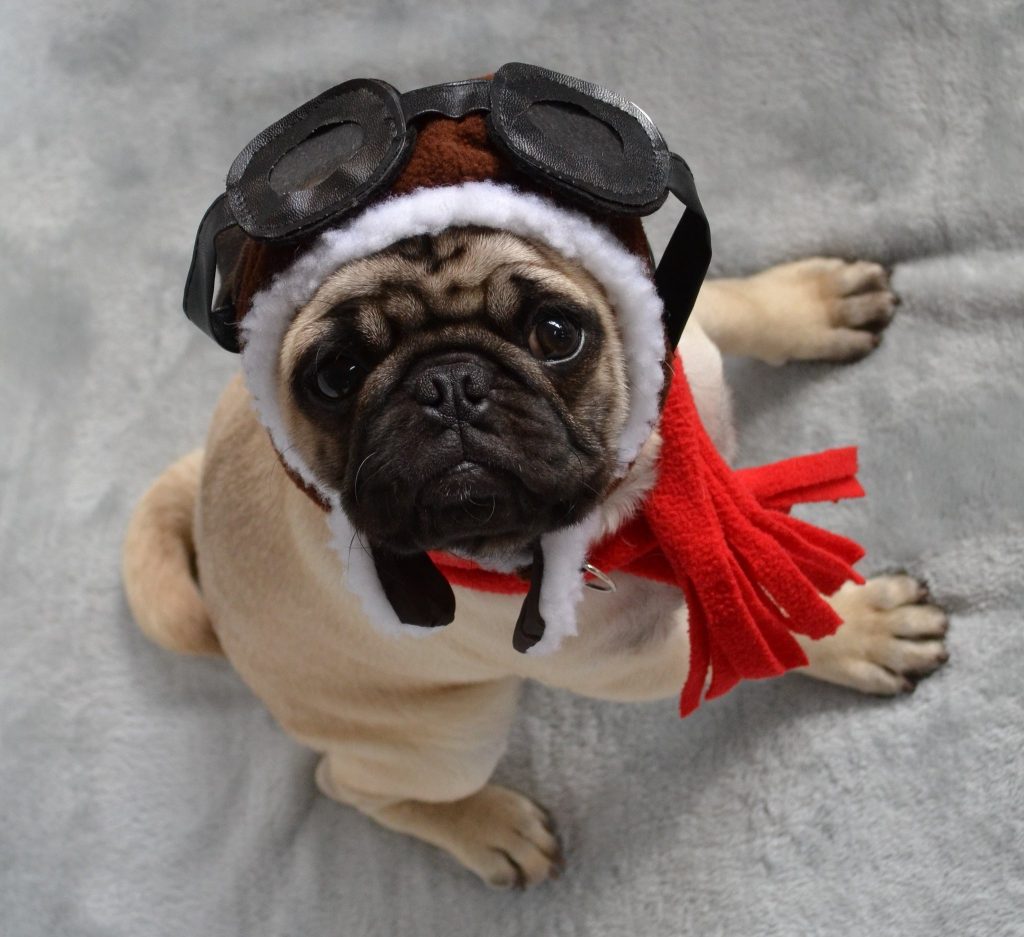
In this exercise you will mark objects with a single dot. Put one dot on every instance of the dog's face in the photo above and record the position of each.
(463, 391)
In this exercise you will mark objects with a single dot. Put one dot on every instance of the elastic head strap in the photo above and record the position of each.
(218, 323)
(685, 262)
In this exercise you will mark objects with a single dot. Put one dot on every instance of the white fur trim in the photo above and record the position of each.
(565, 552)
(361, 577)
(429, 211)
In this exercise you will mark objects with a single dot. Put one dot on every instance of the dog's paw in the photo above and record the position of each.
(502, 836)
(506, 839)
(819, 309)
(511, 840)
(890, 637)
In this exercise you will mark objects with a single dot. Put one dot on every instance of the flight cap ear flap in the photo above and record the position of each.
(530, 624)
(414, 586)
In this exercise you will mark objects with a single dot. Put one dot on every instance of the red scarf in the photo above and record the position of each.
(751, 574)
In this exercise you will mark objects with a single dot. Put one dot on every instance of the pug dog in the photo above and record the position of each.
(466, 384)
(410, 730)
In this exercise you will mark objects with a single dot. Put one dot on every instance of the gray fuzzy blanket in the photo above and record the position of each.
(143, 794)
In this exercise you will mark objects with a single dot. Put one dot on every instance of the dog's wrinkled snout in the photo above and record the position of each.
(453, 390)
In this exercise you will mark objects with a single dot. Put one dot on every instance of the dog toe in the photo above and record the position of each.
(892, 591)
(874, 679)
(919, 658)
(917, 621)
(866, 310)
(861, 276)
(844, 344)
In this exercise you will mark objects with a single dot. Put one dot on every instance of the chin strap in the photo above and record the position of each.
(530, 624)
(417, 591)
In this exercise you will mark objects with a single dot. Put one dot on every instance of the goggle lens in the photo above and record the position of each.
(320, 161)
(326, 151)
(592, 145)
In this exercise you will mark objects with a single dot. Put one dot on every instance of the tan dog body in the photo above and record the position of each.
(411, 728)
(331, 678)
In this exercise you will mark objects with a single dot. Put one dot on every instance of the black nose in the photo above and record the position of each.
(455, 390)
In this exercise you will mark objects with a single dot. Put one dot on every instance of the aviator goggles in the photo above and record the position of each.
(331, 156)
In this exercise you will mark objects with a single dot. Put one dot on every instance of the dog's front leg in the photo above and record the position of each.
(890, 637)
(821, 308)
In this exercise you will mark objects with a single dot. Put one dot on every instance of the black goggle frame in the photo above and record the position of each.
(589, 145)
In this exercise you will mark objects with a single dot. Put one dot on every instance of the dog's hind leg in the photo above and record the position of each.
(158, 563)
(821, 308)
(426, 775)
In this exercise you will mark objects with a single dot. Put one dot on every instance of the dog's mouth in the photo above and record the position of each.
(466, 497)
(470, 507)
(473, 508)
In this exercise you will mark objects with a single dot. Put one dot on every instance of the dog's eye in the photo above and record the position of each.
(554, 337)
(338, 378)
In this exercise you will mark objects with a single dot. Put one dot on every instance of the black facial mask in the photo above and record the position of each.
(325, 160)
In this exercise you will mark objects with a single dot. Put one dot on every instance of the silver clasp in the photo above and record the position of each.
(603, 583)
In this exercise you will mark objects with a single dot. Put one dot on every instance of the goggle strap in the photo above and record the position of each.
(454, 100)
(687, 257)
(218, 323)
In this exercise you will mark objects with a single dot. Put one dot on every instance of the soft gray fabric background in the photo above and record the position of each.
(143, 794)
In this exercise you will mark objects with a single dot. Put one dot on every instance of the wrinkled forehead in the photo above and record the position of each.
(457, 276)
